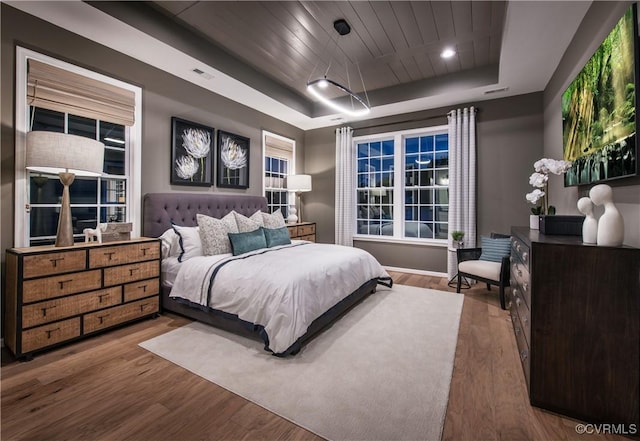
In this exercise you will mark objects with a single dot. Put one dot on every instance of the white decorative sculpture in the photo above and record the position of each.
(590, 224)
(94, 233)
(610, 224)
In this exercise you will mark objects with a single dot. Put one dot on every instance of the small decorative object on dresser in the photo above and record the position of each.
(590, 224)
(55, 295)
(611, 223)
(303, 231)
(94, 233)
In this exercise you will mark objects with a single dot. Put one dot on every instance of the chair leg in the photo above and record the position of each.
(502, 300)
(459, 283)
(488, 287)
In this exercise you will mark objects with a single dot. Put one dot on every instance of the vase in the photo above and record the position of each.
(534, 222)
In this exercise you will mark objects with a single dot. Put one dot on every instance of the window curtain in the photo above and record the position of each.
(345, 187)
(462, 180)
(52, 88)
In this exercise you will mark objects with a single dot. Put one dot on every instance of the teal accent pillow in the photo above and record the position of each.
(494, 250)
(244, 242)
(277, 236)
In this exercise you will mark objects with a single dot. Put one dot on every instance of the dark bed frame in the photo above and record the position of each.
(160, 210)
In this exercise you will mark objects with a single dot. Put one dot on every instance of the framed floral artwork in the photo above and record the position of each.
(233, 160)
(191, 153)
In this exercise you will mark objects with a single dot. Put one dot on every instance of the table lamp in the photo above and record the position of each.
(298, 184)
(68, 156)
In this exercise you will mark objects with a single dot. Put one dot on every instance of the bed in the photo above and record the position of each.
(161, 210)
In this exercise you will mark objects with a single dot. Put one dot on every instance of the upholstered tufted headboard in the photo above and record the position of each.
(159, 210)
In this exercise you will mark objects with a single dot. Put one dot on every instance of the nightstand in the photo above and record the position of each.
(59, 294)
(303, 231)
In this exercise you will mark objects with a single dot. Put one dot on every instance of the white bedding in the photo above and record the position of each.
(282, 288)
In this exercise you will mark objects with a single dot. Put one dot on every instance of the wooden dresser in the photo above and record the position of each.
(576, 316)
(55, 295)
(303, 231)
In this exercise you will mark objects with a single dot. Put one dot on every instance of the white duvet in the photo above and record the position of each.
(283, 288)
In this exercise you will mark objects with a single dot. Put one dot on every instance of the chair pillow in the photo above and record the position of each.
(273, 220)
(244, 242)
(189, 240)
(277, 236)
(247, 224)
(214, 233)
(495, 249)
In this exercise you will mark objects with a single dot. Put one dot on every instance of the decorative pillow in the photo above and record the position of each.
(494, 250)
(189, 240)
(214, 233)
(273, 220)
(170, 243)
(247, 224)
(277, 236)
(244, 242)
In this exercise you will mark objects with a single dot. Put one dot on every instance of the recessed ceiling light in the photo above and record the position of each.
(447, 53)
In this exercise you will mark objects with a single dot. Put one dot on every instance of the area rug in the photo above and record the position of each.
(381, 372)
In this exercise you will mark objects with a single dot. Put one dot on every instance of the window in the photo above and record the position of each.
(102, 199)
(278, 163)
(403, 185)
(112, 197)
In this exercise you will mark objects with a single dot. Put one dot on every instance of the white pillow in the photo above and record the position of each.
(273, 220)
(189, 240)
(169, 243)
(214, 233)
(248, 224)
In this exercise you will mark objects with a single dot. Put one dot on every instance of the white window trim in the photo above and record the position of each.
(292, 168)
(398, 190)
(134, 196)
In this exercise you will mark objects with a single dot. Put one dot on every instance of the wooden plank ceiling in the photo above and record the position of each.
(392, 42)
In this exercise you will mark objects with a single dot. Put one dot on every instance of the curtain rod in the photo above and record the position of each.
(407, 121)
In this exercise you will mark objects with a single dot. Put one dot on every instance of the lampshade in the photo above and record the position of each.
(52, 152)
(299, 183)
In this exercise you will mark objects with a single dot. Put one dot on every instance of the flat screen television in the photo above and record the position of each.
(599, 110)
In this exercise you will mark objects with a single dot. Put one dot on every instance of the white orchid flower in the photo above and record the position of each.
(186, 167)
(538, 180)
(535, 196)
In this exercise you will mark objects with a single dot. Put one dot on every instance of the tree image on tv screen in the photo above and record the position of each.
(599, 111)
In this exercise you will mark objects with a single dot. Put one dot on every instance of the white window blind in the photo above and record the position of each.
(52, 88)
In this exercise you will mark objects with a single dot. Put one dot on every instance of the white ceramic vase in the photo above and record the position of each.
(534, 222)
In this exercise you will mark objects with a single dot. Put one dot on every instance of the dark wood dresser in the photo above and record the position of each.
(576, 316)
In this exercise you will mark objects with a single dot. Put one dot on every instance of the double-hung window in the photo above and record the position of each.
(403, 185)
(278, 163)
(52, 95)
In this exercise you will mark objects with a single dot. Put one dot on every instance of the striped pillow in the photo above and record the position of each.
(494, 250)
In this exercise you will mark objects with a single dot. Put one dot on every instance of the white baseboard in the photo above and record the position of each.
(415, 271)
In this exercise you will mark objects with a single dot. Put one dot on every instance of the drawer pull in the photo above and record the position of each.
(54, 261)
(524, 256)
(49, 331)
(525, 319)
(131, 270)
(102, 317)
(517, 331)
(100, 296)
(143, 306)
(44, 310)
(143, 287)
(109, 253)
(518, 302)
(515, 295)
(525, 286)
(523, 355)
(144, 251)
(519, 273)
(62, 282)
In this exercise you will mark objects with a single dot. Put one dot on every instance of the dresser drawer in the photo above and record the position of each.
(50, 287)
(293, 231)
(523, 312)
(521, 251)
(44, 312)
(306, 230)
(53, 263)
(520, 276)
(139, 290)
(130, 273)
(119, 314)
(116, 255)
(523, 348)
(310, 238)
(50, 334)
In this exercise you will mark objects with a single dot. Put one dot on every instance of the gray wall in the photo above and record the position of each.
(509, 141)
(597, 24)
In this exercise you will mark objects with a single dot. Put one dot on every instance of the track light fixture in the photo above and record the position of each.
(324, 87)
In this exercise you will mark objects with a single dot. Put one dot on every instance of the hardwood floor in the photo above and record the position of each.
(108, 388)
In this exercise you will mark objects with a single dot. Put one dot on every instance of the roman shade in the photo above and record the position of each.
(278, 149)
(52, 88)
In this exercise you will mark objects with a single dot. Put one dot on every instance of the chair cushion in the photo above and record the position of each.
(494, 250)
(481, 268)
